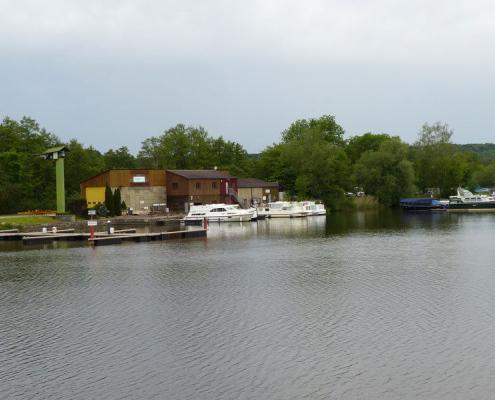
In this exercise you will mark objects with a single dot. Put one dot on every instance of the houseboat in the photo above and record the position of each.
(282, 209)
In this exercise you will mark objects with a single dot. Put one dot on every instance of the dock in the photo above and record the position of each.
(99, 238)
(147, 237)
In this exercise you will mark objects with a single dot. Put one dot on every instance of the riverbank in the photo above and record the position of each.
(37, 222)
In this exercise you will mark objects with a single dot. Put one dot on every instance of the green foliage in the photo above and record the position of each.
(437, 162)
(326, 126)
(81, 163)
(485, 176)
(320, 167)
(386, 173)
(187, 147)
(109, 204)
(123, 206)
(117, 202)
(77, 205)
(357, 145)
(484, 152)
(120, 158)
(30, 179)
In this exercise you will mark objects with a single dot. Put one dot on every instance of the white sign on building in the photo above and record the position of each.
(138, 179)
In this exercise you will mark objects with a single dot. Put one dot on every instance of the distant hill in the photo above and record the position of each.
(485, 151)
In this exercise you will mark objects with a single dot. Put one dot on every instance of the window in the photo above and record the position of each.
(198, 185)
(213, 185)
(175, 185)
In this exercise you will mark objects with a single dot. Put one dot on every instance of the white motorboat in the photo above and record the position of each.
(312, 207)
(320, 209)
(281, 209)
(465, 200)
(308, 207)
(220, 213)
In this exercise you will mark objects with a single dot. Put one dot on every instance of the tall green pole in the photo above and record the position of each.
(59, 173)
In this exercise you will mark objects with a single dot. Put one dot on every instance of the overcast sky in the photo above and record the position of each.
(114, 72)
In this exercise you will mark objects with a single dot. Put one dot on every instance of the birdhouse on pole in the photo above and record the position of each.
(58, 154)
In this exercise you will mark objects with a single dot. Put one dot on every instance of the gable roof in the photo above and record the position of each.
(55, 149)
(255, 183)
(201, 173)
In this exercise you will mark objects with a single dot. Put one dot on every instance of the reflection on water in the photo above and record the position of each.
(371, 305)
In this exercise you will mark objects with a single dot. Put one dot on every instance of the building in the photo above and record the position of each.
(200, 187)
(257, 191)
(140, 188)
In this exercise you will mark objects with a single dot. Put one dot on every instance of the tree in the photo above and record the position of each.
(81, 163)
(120, 158)
(357, 145)
(321, 168)
(386, 172)
(187, 147)
(485, 177)
(438, 163)
(109, 201)
(326, 125)
(117, 202)
(30, 179)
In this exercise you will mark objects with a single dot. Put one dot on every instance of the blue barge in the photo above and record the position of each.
(422, 204)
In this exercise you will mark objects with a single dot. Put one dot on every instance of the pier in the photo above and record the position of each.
(99, 238)
(147, 237)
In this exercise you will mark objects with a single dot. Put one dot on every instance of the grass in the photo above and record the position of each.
(365, 203)
(9, 221)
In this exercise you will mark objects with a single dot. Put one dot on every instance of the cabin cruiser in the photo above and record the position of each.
(465, 200)
(320, 209)
(282, 209)
(220, 213)
(313, 207)
(309, 207)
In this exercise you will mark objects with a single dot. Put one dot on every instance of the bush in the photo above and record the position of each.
(77, 205)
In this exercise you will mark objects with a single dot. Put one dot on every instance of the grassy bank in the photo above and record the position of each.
(365, 203)
(14, 221)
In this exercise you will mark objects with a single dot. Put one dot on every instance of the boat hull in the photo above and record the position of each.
(234, 218)
(474, 207)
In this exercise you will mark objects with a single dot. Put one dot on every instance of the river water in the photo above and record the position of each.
(371, 305)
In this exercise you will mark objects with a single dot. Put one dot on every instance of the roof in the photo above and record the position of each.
(255, 183)
(143, 170)
(55, 149)
(201, 173)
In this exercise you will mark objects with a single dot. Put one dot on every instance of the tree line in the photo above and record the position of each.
(311, 160)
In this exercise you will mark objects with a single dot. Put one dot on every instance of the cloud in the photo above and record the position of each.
(246, 69)
(311, 31)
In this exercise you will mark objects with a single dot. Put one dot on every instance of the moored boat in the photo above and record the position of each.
(467, 201)
(422, 204)
(281, 209)
(312, 208)
(219, 213)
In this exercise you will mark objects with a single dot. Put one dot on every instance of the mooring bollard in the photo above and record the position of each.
(44, 229)
(109, 227)
(54, 229)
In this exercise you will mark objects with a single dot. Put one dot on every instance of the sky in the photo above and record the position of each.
(113, 73)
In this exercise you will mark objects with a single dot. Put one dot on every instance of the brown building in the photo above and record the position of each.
(257, 191)
(200, 187)
(140, 188)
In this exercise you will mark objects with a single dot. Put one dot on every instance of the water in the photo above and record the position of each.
(358, 306)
